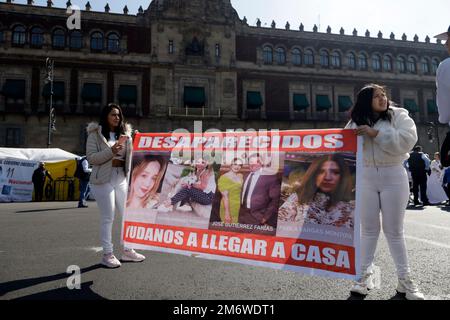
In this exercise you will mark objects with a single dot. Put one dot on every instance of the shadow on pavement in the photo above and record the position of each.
(445, 208)
(356, 296)
(14, 285)
(84, 293)
(416, 208)
(398, 296)
(42, 210)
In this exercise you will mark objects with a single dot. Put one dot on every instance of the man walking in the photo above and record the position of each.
(443, 82)
(443, 96)
(38, 179)
(82, 173)
(418, 165)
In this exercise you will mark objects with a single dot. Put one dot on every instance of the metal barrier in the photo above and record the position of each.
(61, 189)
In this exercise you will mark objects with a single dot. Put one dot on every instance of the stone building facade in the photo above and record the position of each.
(185, 60)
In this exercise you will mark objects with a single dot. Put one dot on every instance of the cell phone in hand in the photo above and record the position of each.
(122, 139)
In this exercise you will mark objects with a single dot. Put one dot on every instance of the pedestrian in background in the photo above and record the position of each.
(38, 179)
(108, 149)
(446, 182)
(419, 166)
(388, 134)
(435, 192)
(83, 173)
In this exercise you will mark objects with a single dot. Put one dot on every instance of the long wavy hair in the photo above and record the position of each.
(308, 188)
(103, 122)
(362, 112)
(139, 168)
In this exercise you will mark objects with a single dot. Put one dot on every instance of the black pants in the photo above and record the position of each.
(447, 191)
(420, 182)
(38, 191)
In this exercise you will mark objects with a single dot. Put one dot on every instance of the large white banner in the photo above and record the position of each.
(15, 180)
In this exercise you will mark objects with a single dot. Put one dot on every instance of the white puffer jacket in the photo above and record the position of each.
(393, 143)
(100, 155)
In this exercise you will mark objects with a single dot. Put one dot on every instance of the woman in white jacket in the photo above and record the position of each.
(389, 134)
(108, 149)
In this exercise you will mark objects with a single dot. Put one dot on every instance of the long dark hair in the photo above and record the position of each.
(362, 113)
(104, 121)
(308, 187)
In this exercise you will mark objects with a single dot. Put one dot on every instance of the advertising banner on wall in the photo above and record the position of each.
(15, 180)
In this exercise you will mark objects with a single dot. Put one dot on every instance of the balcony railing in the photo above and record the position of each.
(194, 112)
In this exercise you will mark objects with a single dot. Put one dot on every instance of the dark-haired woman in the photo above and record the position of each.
(389, 134)
(108, 149)
(324, 196)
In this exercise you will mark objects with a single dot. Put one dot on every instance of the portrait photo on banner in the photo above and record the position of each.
(248, 193)
(144, 192)
(317, 199)
(187, 191)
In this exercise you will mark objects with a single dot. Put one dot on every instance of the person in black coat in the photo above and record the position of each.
(38, 179)
(419, 164)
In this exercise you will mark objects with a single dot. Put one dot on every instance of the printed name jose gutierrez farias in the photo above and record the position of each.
(307, 241)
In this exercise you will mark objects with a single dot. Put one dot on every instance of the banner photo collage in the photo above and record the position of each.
(284, 199)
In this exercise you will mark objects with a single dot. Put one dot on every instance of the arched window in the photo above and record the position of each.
(280, 55)
(268, 55)
(324, 58)
(401, 64)
(37, 37)
(336, 59)
(97, 41)
(113, 42)
(309, 57)
(362, 61)
(296, 57)
(59, 38)
(434, 65)
(387, 63)
(376, 62)
(351, 60)
(412, 65)
(76, 40)
(425, 66)
(19, 35)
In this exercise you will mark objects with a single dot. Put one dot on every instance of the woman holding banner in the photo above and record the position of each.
(389, 133)
(108, 149)
(324, 196)
(145, 180)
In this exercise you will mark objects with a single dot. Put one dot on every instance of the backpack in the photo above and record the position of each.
(79, 172)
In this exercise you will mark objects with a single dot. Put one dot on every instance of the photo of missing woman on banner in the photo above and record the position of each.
(248, 195)
(188, 192)
(318, 199)
(146, 178)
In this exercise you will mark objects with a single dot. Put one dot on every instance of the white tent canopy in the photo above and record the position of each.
(45, 155)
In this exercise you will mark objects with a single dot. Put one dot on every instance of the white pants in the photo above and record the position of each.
(110, 198)
(386, 190)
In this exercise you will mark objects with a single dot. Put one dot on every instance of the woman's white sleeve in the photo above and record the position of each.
(400, 137)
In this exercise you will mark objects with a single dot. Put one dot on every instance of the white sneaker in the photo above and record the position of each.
(110, 261)
(185, 208)
(363, 284)
(406, 285)
(131, 255)
(163, 208)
